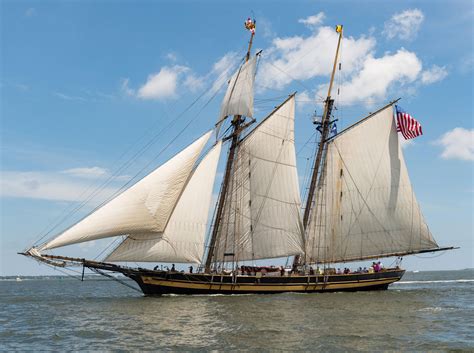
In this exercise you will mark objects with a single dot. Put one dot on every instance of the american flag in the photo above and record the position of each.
(407, 125)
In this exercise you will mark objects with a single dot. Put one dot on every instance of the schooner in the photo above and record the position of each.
(360, 206)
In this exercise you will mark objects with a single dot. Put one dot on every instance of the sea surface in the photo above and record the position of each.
(427, 311)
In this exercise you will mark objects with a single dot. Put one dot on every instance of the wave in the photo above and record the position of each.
(437, 281)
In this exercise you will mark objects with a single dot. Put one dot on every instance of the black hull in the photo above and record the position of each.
(156, 283)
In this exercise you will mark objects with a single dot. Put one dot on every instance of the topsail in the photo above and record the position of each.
(365, 205)
(238, 99)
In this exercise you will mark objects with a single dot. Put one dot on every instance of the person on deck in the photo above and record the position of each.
(190, 269)
(173, 268)
(371, 268)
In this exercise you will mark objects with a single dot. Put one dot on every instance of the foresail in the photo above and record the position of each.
(183, 239)
(365, 206)
(238, 99)
(143, 208)
(261, 216)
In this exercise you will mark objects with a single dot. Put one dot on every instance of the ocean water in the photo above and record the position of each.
(427, 311)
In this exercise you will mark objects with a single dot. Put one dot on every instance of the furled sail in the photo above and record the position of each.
(143, 208)
(238, 99)
(365, 206)
(261, 213)
(183, 238)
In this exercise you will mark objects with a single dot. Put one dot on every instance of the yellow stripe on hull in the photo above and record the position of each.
(268, 287)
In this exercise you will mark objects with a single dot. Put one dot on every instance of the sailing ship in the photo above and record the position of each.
(360, 206)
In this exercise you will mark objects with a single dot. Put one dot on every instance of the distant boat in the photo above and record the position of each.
(360, 206)
(18, 279)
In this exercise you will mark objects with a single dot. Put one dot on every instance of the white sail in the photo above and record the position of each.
(183, 238)
(261, 216)
(365, 206)
(143, 208)
(238, 99)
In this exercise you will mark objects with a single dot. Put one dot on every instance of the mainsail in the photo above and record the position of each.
(365, 204)
(261, 212)
(142, 209)
(183, 238)
(238, 99)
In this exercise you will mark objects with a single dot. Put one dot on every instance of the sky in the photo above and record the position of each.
(98, 89)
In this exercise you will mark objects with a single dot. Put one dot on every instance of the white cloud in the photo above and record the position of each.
(377, 75)
(404, 25)
(194, 83)
(303, 58)
(303, 100)
(87, 172)
(171, 80)
(367, 78)
(46, 186)
(162, 85)
(434, 74)
(457, 144)
(313, 21)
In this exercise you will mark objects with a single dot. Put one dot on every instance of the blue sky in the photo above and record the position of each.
(85, 85)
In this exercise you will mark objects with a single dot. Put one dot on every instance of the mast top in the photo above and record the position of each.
(339, 29)
(250, 25)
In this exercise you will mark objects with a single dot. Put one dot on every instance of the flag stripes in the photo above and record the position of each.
(407, 125)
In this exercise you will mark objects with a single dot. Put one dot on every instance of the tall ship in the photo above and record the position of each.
(360, 206)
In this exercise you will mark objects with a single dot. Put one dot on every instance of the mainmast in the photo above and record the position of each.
(325, 125)
(237, 128)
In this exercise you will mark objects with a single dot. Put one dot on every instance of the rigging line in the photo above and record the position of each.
(108, 247)
(306, 143)
(440, 253)
(313, 156)
(138, 154)
(63, 271)
(306, 175)
(96, 270)
(272, 98)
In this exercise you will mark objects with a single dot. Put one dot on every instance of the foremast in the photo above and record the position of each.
(318, 161)
(237, 128)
